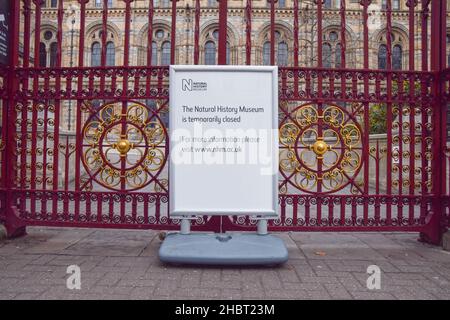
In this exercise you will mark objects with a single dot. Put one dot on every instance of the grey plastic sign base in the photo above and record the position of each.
(223, 249)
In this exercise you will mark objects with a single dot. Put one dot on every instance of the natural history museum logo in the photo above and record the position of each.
(191, 85)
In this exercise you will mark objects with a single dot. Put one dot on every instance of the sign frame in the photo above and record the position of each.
(272, 213)
(5, 35)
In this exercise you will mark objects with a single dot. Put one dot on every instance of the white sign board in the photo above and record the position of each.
(223, 140)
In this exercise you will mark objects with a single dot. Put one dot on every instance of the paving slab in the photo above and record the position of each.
(124, 264)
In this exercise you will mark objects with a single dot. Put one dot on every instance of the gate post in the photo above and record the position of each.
(435, 227)
(14, 227)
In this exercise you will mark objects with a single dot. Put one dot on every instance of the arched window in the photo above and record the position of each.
(53, 54)
(397, 56)
(110, 54)
(48, 49)
(266, 53)
(281, 3)
(165, 53)
(326, 55)
(160, 47)
(280, 46)
(42, 55)
(100, 52)
(338, 56)
(282, 56)
(327, 4)
(382, 57)
(395, 4)
(210, 41)
(154, 54)
(99, 3)
(332, 49)
(95, 54)
(210, 53)
(330, 4)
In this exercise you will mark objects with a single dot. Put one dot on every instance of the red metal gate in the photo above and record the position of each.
(362, 111)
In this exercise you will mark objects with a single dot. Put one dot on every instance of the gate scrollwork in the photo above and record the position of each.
(124, 146)
(321, 148)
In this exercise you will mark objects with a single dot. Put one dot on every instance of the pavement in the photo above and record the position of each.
(124, 264)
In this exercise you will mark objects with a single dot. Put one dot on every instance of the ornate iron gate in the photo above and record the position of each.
(362, 137)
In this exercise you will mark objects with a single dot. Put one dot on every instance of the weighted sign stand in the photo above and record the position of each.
(223, 248)
(223, 161)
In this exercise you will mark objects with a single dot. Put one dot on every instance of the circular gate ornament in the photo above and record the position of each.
(320, 149)
(124, 146)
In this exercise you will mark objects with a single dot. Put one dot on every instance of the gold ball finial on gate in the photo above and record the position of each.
(319, 148)
(123, 146)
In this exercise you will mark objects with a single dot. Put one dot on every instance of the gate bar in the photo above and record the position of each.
(14, 227)
(223, 13)
(438, 54)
